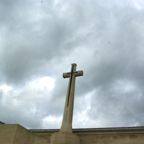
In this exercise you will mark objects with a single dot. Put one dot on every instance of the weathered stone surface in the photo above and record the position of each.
(64, 138)
(69, 102)
(65, 135)
(15, 134)
(121, 135)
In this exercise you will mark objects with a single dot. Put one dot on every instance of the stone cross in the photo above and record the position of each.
(68, 110)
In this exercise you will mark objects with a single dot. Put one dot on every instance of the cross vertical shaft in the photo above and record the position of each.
(68, 109)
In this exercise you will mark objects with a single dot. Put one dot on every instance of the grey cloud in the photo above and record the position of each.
(105, 39)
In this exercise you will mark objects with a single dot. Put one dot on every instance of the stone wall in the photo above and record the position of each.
(23, 136)
(7, 133)
(42, 140)
(131, 135)
(112, 139)
(16, 134)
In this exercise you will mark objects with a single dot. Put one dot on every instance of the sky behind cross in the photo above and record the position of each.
(40, 39)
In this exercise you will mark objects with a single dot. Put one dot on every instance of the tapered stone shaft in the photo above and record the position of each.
(65, 135)
(68, 109)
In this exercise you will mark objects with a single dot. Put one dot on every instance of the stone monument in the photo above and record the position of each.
(16, 134)
(65, 135)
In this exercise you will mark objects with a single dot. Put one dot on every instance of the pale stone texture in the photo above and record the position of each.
(127, 135)
(65, 135)
(7, 133)
(68, 109)
(65, 138)
(15, 134)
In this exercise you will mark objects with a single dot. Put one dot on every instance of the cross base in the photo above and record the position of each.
(64, 138)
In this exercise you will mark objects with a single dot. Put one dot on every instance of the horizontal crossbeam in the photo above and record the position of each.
(77, 73)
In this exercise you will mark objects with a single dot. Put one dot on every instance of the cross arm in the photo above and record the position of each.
(78, 73)
(66, 75)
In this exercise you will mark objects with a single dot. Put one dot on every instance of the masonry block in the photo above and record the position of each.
(64, 138)
(15, 134)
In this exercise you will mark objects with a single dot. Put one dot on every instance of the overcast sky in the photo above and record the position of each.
(40, 39)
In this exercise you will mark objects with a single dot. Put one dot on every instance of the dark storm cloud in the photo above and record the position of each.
(104, 38)
(118, 107)
(31, 39)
